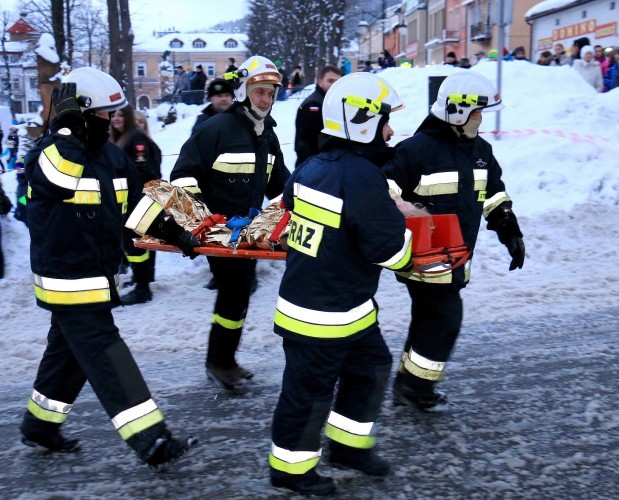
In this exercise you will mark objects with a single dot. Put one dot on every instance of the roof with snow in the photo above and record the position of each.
(15, 47)
(195, 42)
(21, 27)
(549, 6)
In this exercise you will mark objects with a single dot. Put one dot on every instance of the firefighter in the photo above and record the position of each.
(344, 229)
(231, 162)
(448, 168)
(81, 188)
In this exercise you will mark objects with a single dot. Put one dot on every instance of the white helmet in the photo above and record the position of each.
(462, 93)
(96, 91)
(256, 69)
(353, 104)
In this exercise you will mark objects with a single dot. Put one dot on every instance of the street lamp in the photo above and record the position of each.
(364, 29)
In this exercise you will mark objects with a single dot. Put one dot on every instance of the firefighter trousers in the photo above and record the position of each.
(86, 346)
(436, 317)
(144, 272)
(234, 280)
(360, 369)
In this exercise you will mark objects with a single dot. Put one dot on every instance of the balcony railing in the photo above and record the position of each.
(450, 36)
(480, 32)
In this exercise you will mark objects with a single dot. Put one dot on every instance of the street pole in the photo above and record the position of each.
(499, 74)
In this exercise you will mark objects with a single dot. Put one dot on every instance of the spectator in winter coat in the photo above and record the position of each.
(611, 80)
(346, 66)
(545, 58)
(297, 80)
(198, 82)
(518, 54)
(560, 57)
(464, 63)
(231, 66)
(219, 96)
(282, 94)
(479, 56)
(451, 59)
(5, 208)
(146, 156)
(600, 57)
(182, 85)
(367, 68)
(577, 46)
(386, 60)
(308, 123)
(589, 68)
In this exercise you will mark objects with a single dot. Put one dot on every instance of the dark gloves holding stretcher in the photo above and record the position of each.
(68, 112)
(177, 236)
(504, 222)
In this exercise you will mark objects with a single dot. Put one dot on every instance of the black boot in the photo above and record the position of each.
(221, 366)
(139, 295)
(310, 483)
(364, 460)
(426, 398)
(36, 432)
(156, 447)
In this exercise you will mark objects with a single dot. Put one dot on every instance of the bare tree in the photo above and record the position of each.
(6, 85)
(121, 45)
(92, 35)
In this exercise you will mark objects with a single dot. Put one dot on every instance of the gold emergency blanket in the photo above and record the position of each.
(187, 211)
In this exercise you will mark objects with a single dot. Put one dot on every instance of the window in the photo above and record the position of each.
(612, 5)
(209, 69)
(231, 43)
(557, 22)
(13, 58)
(33, 82)
(199, 44)
(16, 85)
(33, 106)
(584, 14)
(140, 69)
(176, 44)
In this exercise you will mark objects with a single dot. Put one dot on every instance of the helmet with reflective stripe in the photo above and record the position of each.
(462, 93)
(354, 105)
(96, 91)
(256, 69)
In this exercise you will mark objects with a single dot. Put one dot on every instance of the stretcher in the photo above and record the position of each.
(437, 242)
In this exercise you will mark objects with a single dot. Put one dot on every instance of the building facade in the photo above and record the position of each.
(155, 59)
(564, 22)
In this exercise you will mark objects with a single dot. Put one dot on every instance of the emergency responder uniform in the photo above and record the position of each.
(449, 169)
(344, 229)
(81, 189)
(231, 162)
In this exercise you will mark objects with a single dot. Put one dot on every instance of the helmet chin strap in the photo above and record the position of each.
(345, 121)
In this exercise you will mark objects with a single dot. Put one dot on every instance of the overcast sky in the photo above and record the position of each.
(184, 15)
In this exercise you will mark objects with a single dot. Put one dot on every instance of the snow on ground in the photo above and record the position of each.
(531, 382)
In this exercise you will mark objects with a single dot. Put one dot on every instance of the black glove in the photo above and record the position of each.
(176, 235)
(504, 222)
(68, 113)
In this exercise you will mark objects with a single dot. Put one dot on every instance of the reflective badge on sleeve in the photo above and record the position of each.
(305, 236)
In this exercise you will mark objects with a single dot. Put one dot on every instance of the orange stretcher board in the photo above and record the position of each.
(212, 251)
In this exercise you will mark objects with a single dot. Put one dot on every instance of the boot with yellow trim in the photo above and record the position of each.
(362, 459)
(36, 432)
(157, 448)
(309, 483)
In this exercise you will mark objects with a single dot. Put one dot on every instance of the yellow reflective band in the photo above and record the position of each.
(403, 257)
(85, 198)
(292, 468)
(230, 324)
(59, 171)
(363, 103)
(29, 192)
(143, 215)
(317, 214)
(348, 439)
(138, 258)
(421, 367)
(72, 298)
(64, 166)
(325, 331)
(440, 183)
(471, 100)
(46, 415)
(491, 203)
(318, 198)
(394, 189)
(141, 424)
(330, 124)
(237, 168)
(122, 190)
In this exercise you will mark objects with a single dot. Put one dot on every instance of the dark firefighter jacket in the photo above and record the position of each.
(207, 113)
(145, 154)
(230, 165)
(78, 202)
(344, 229)
(308, 125)
(448, 175)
